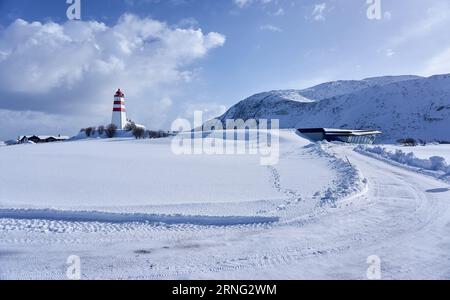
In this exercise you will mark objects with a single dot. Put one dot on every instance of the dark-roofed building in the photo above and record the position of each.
(340, 135)
(38, 139)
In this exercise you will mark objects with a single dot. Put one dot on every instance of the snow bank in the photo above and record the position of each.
(436, 164)
(349, 184)
(423, 151)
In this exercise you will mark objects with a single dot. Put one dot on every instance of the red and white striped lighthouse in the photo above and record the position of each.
(119, 116)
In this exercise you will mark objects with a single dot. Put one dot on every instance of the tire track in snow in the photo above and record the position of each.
(119, 218)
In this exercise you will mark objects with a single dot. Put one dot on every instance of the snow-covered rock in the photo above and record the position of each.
(399, 106)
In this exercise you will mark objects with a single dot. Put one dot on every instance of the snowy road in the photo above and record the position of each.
(403, 217)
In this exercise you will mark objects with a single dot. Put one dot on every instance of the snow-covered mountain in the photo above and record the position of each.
(342, 87)
(400, 106)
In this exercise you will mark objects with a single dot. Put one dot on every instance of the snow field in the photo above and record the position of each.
(125, 176)
(333, 208)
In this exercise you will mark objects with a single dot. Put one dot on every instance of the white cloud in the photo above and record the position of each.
(389, 52)
(425, 31)
(74, 68)
(269, 27)
(271, 7)
(279, 12)
(188, 23)
(242, 3)
(245, 3)
(439, 64)
(318, 12)
(435, 17)
(15, 123)
(388, 15)
(209, 110)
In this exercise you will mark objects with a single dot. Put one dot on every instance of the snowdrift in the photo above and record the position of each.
(436, 165)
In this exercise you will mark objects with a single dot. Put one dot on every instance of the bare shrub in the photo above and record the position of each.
(130, 126)
(408, 142)
(101, 130)
(111, 130)
(138, 132)
(151, 134)
(89, 131)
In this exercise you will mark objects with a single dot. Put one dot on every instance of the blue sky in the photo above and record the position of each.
(56, 77)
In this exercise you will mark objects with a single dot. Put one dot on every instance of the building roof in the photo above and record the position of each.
(119, 93)
(333, 131)
(44, 137)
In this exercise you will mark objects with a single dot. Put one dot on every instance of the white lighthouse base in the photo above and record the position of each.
(120, 120)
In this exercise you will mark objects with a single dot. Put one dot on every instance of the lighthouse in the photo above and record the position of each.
(119, 116)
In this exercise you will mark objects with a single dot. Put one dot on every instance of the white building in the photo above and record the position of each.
(119, 116)
(341, 135)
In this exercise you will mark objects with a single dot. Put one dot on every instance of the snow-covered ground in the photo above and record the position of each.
(132, 209)
(126, 174)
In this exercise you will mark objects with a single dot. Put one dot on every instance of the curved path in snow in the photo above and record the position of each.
(404, 219)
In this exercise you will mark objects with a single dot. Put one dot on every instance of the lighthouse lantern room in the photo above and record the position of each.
(119, 116)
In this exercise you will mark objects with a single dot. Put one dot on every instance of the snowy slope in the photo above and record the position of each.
(343, 87)
(401, 107)
(383, 80)
(314, 94)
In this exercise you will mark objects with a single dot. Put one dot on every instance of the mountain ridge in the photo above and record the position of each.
(400, 106)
